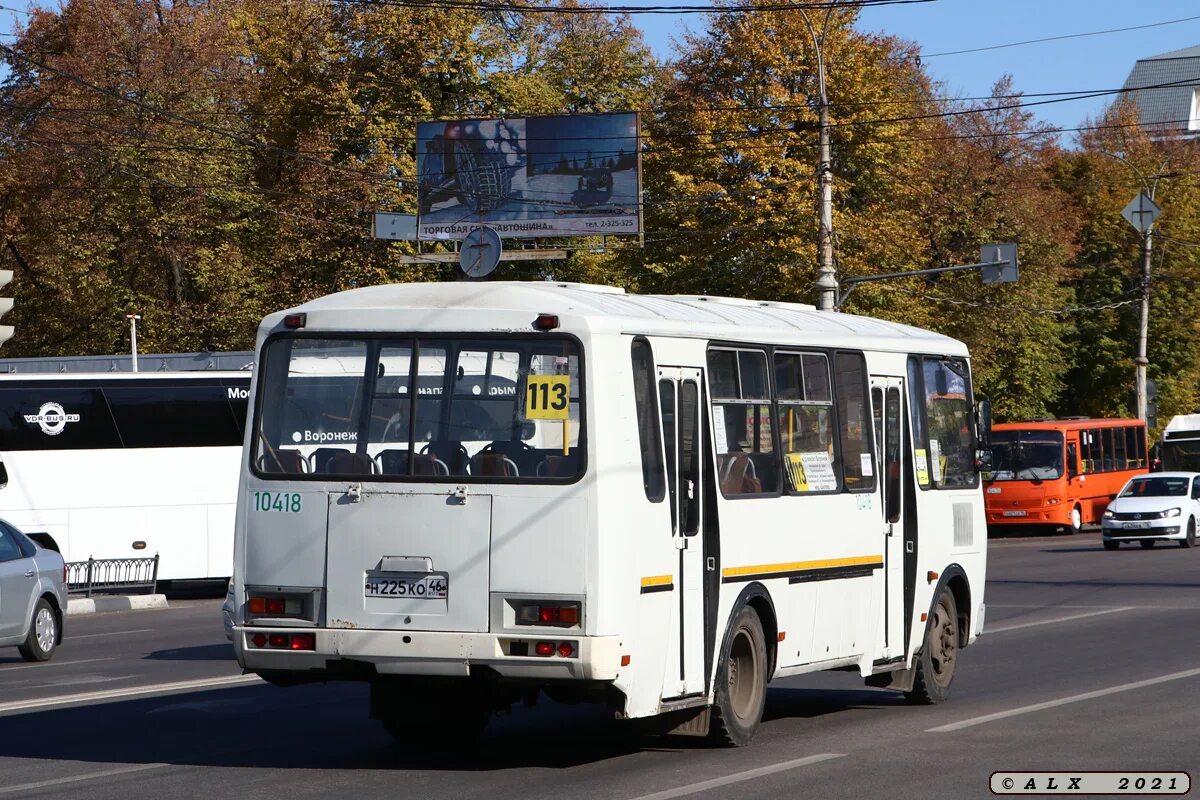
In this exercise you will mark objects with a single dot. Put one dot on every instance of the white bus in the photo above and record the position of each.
(657, 502)
(123, 465)
(1181, 444)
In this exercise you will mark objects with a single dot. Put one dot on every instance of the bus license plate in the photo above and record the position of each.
(1014, 513)
(1137, 526)
(415, 586)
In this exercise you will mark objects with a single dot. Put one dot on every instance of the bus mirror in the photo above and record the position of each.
(983, 421)
(983, 460)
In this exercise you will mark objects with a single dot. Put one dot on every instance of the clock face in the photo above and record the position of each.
(480, 252)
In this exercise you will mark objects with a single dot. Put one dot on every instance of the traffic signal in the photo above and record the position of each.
(6, 304)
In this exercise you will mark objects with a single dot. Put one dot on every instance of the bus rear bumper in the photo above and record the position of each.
(433, 653)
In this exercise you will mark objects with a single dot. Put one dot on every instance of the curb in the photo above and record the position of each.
(100, 605)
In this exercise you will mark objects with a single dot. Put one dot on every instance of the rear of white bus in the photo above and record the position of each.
(413, 513)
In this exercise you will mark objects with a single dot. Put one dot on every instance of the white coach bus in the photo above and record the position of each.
(464, 493)
(124, 465)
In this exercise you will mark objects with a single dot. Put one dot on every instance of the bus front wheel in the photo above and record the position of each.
(740, 692)
(1076, 520)
(939, 655)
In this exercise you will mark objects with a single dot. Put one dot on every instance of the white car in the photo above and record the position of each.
(1161, 506)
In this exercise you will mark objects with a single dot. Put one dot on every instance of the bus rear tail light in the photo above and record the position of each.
(285, 641)
(544, 648)
(566, 649)
(564, 615)
(275, 606)
(303, 641)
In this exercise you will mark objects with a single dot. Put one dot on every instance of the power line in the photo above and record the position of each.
(1059, 38)
(526, 8)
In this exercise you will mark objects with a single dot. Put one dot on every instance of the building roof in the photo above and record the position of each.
(1167, 110)
(512, 306)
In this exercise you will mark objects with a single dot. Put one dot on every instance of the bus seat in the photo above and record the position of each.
(738, 475)
(557, 467)
(318, 460)
(524, 457)
(449, 452)
(494, 465)
(425, 464)
(347, 463)
(285, 460)
(392, 462)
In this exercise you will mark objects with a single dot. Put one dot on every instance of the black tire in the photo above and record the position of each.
(438, 719)
(1111, 545)
(1190, 541)
(938, 658)
(42, 640)
(1147, 543)
(740, 692)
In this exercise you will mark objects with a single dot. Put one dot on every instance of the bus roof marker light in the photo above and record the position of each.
(546, 322)
(295, 321)
(931, 576)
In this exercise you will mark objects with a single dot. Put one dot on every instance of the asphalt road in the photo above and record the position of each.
(1090, 661)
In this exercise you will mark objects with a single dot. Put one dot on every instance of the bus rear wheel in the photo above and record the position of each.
(740, 692)
(939, 656)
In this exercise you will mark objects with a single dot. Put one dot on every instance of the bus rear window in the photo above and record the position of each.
(395, 409)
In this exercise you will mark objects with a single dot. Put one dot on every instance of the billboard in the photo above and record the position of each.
(529, 177)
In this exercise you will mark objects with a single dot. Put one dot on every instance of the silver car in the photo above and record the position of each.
(33, 595)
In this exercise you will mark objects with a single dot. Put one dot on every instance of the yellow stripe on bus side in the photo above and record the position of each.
(657, 580)
(801, 566)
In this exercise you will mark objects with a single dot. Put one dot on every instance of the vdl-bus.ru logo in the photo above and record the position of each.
(51, 418)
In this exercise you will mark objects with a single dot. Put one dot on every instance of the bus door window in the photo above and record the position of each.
(689, 457)
(1072, 461)
(1110, 458)
(891, 458)
(666, 394)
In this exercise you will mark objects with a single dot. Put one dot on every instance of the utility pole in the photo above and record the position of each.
(133, 321)
(827, 283)
(1140, 361)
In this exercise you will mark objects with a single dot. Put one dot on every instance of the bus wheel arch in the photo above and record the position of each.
(757, 597)
(955, 580)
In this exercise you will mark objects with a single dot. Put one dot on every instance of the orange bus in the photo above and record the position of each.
(1061, 473)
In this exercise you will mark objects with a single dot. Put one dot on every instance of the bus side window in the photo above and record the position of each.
(743, 422)
(1072, 461)
(858, 460)
(647, 421)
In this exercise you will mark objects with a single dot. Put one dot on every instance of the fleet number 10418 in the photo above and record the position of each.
(283, 502)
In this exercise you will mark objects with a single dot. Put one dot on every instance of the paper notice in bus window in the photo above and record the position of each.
(935, 460)
(719, 434)
(922, 465)
(811, 472)
(868, 468)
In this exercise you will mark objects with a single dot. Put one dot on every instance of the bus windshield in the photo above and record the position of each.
(1026, 456)
(1181, 456)
(1157, 487)
(430, 408)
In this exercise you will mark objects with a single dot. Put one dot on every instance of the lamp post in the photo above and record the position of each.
(827, 284)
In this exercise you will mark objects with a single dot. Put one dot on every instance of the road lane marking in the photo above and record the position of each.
(112, 695)
(110, 633)
(1018, 626)
(48, 664)
(738, 777)
(1075, 698)
(29, 787)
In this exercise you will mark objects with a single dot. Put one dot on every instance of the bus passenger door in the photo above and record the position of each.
(679, 395)
(887, 398)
